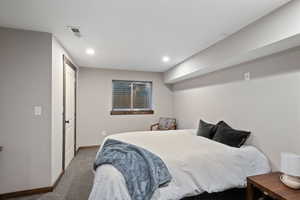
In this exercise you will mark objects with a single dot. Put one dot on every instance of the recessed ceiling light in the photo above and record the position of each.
(90, 51)
(166, 59)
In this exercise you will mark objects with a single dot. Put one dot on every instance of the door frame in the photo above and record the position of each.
(68, 62)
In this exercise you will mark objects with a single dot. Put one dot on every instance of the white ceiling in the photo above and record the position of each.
(135, 34)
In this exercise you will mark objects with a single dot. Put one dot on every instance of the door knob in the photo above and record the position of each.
(67, 121)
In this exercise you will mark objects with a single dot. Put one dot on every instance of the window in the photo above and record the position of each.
(131, 97)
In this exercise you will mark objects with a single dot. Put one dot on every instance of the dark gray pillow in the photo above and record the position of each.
(223, 124)
(206, 129)
(231, 137)
(209, 130)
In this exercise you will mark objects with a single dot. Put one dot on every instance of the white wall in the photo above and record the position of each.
(57, 108)
(268, 105)
(95, 104)
(25, 81)
(278, 26)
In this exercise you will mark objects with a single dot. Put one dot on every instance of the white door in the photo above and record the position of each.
(69, 114)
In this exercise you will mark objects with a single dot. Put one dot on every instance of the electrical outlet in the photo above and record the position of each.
(103, 133)
(247, 76)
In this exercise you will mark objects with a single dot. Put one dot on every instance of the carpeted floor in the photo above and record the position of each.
(77, 181)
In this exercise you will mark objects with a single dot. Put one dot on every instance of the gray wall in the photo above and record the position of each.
(268, 104)
(95, 104)
(25, 81)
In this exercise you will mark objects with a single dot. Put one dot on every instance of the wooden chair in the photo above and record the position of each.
(164, 124)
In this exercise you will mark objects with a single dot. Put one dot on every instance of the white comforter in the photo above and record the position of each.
(196, 164)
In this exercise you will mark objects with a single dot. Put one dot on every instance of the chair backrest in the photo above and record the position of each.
(166, 123)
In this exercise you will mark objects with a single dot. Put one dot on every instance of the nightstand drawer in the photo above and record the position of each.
(270, 187)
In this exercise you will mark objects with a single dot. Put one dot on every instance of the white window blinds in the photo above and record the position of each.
(132, 95)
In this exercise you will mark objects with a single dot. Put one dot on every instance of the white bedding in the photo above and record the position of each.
(196, 164)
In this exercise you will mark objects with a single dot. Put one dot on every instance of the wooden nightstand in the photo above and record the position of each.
(271, 186)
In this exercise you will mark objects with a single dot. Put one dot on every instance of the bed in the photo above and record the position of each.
(199, 166)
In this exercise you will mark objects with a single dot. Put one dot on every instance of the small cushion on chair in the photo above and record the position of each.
(166, 123)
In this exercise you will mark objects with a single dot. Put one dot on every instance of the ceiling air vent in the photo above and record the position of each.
(75, 30)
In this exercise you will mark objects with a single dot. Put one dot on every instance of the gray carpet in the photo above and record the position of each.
(77, 181)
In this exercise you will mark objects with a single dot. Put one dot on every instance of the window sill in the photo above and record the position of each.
(137, 112)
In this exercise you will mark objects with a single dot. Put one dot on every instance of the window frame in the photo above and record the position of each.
(133, 111)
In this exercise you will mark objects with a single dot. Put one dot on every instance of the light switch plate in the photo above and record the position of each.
(37, 110)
